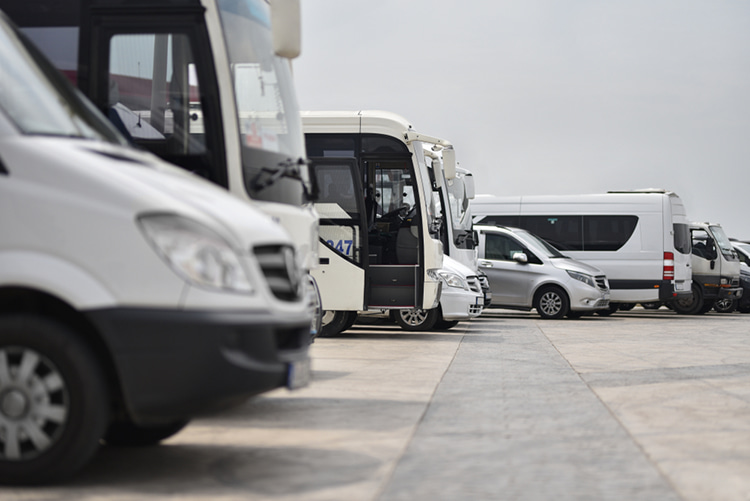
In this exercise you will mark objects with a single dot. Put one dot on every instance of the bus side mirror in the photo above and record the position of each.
(449, 163)
(469, 186)
(286, 28)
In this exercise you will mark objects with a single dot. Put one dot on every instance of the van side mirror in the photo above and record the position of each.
(449, 162)
(286, 28)
(520, 257)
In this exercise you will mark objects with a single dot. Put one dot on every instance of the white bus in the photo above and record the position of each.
(376, 207)
(639, 239)
(203, 84)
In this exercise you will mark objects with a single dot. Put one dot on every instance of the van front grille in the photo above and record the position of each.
(280, 269)
(601, 282)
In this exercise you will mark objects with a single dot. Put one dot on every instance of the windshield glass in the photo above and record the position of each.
(266, 103)
(431, 201)
(39, 101)
(549, 250)
(722, 240)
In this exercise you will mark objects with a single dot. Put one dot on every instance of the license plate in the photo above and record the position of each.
(298, 374)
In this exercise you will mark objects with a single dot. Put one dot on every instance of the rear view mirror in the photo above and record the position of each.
(469, 186)
(449, 162)
(520, 257)
(286, 28)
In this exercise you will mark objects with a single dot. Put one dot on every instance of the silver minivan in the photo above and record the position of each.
(526, 272)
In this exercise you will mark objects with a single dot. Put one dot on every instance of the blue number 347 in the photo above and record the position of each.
(342, 246)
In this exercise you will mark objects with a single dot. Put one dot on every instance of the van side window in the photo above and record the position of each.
(607, 233)
(703, 245)
(682, 238)
(502, 248)
(563, 232)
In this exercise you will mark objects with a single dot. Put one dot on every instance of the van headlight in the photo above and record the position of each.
(195, 252)
(582, 277)
(452, 280)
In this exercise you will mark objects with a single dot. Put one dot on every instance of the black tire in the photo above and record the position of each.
(127, 433)
(725, 305)
(416, 319)
(691, 305)
(351, 321)
(574, 314)
(69, 411)
(652, 306)
(608, 311)
(444, 325)
(626, 306)
(707, 306)
(316, 306)
(336, 322)
(551, 302)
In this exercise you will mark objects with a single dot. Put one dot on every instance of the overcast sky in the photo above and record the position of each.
(553, 96)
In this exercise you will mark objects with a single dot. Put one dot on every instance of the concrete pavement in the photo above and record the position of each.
(638, 406)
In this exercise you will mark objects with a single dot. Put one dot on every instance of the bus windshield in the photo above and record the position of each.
(39, 101)
(266, 103)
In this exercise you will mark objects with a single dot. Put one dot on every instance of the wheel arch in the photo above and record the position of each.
(25, 300)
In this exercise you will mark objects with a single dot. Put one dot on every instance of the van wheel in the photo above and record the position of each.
(725, 305)
(417, 319)
(125, 432)
(334, 323)
(608, 311)
(54, 403)
(691, 305)
(651, 306)
(444, 325)
(551, 302)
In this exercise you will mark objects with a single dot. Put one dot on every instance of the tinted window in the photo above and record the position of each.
(682, 238)
(607, 233)
(512, 221)
(563, 232)
(501, 247)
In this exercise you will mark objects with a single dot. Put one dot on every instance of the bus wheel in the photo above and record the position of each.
(417, 319)
(692, 305)
(336, 322)
(551, 302)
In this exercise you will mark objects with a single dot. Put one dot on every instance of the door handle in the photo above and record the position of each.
(486, 264)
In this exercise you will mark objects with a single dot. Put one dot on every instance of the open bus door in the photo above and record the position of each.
(343, 246)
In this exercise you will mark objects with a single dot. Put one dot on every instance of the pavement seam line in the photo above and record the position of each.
(389, 476)
(614, 416)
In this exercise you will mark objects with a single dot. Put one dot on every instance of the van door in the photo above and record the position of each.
(510, 280)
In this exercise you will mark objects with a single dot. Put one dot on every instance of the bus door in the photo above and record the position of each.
(394, 232)
(343, 247)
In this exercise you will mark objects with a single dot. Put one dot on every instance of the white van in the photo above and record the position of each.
(133, 295)
(716, 270)
(639, 239)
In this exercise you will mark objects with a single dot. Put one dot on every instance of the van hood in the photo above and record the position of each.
(118, 178)
(456, 267)
(570, 264)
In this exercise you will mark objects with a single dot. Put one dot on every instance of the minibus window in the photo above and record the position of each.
(607, 233)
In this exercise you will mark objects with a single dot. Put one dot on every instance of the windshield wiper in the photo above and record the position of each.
(288, 168)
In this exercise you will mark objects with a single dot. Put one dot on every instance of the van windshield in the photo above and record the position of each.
(39, 101)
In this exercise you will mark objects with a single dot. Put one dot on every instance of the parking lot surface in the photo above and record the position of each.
(643, 405)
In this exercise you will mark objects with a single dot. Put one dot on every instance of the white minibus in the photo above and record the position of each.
(639, 239)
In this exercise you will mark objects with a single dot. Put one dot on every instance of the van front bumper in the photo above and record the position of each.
(174, 364)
